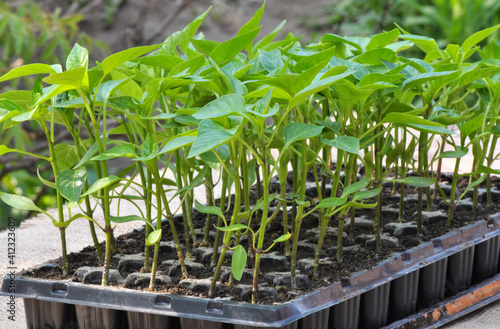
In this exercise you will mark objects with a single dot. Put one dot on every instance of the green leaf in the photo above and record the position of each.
(338, 39)
(362, 195)
(232, 228)
(382, 39)
(431, 129)
(302, 203)
(312, 60)
(283, 238)
(101, 183)
(65, 156)
(346, 143)
(43, 180)
(28, 69)
(71, 77)
(478, 37)
(210, 135)
(119, 58)
(153, 237)
(316, 87)
(415, 181)
(209, 209)
(227, 50)
(271, 60)
(70, 183)
(426, 44)
(405, 118)
(88, 155)
(238, 262)
(297, 131)
(177, 143)
(472, 185)
(107, 88)
(120, 151)
(355, 187)
(129, 218)
(222, 106)
(356, 205)
(78, 57)
(460, 152)
(197, 181)
(332, 202)
(253, 23)
(19, 202)
(376, 56)
(420, 79)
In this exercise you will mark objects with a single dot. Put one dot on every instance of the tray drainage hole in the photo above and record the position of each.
(346, 283)
(437, 244)
(406, 257)
(214, 307)
(60, 289)
(163, 301)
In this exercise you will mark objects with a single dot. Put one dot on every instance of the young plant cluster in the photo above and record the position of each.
(249, 110)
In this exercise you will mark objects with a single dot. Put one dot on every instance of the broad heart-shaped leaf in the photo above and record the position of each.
(70, 183)
(71, 77)
(238, 262)
(153, 237)
(28, 69)
(101, 183)
(332, 202)
(460, 152)
(209, 209)
(346, 143)
(78, 57)
(355, 187)
(382, 39)
(120, 151)
(210, 135)
(222, 106)
(415, 181)
(297, 131)
(227, 50)
(232, 228)
(316, 87)
(19, 202)
(362, 195)
(420, 79)
(117, 59)
(478, 37)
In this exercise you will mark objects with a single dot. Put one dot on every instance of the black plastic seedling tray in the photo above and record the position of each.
(397, 289)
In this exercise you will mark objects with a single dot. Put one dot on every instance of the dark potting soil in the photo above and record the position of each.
(358, 249)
